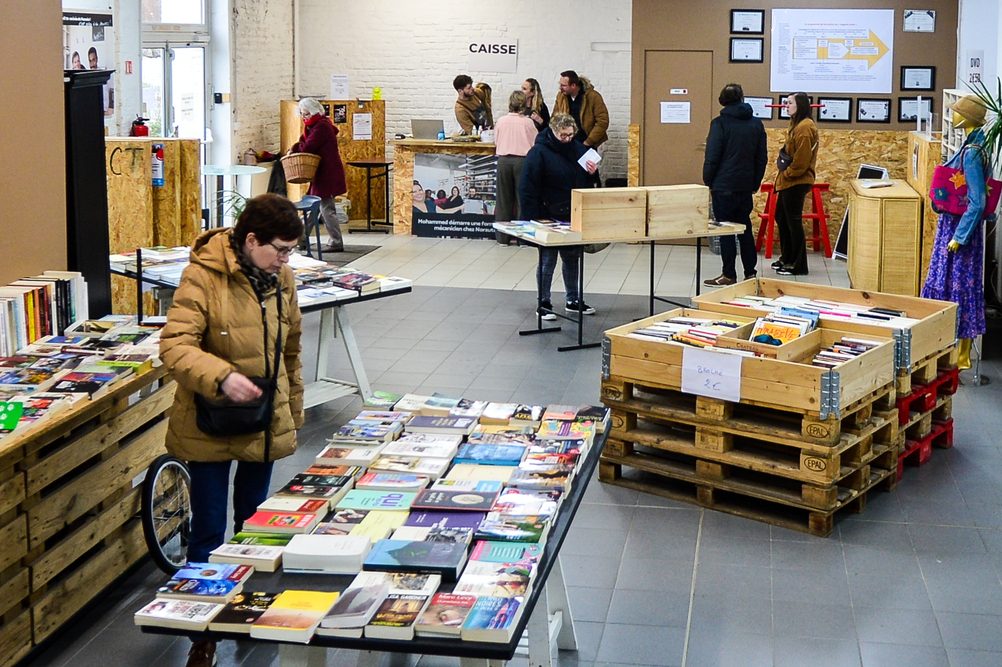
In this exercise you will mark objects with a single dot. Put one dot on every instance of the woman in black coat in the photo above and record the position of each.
(550, 172)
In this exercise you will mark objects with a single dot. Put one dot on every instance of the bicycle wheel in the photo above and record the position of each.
(166, 512)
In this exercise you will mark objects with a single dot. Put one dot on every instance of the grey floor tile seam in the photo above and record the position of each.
(692, 590)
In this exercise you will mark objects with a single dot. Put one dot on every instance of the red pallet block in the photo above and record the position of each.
(922, 399)
(946, 383)
(942, 434)
(917, 452)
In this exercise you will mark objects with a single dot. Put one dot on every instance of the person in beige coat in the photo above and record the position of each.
(221, 330)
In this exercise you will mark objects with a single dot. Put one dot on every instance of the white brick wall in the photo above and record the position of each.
(412, 50)
(262, 59)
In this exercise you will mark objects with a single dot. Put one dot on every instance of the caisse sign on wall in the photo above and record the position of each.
(492, 55)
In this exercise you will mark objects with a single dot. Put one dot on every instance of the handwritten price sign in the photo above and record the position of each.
(710, 373)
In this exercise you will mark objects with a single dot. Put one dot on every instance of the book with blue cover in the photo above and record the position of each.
(492, 619)
(445, 558)
(498, 455)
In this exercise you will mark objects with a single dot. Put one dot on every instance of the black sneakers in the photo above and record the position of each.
(579, 306)
(545, 311)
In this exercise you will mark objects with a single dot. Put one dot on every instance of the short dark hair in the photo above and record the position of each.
(804, 109)
(731, 94)
(268, 216)
(461, 81)
(572, 77)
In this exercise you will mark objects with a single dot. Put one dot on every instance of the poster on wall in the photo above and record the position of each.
(453, 195)
(834, 50)
(89, 43)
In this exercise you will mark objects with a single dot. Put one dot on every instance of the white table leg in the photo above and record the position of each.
(551, 626)
(354, 354)
(301, 655)
(556, 589)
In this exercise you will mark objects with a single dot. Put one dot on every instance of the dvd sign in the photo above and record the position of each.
(493, 56)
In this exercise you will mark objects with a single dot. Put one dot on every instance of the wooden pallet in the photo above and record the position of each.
(667, 476)
(771, 419)
(927, 370)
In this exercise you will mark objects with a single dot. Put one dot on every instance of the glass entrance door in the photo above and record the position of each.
(174, 90)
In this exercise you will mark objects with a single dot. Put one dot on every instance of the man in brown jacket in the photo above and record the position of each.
(473, 104)
(579, 98)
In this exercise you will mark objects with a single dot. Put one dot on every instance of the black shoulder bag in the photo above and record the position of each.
(224, 417)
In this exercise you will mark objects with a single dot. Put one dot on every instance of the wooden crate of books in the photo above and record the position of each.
(787, 382)
(677, 210)
(925, 334)
(82, 469)
(609, 213)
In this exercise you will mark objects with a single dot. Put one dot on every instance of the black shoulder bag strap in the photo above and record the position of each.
(273, 372)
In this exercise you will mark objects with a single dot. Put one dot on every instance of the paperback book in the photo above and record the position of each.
(356, 606)
(293, 616)
(445, 615)
(444, 558)
(495, 455)
(178, 614)
(241, 612)
(458, 501)
(206, 582)
(492, 619)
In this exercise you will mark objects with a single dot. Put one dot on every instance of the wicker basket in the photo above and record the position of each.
(300, 167)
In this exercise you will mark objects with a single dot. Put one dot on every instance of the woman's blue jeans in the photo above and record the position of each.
(210, 487)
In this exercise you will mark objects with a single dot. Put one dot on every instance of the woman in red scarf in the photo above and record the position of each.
(320, 138)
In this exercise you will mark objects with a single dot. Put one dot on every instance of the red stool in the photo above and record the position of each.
(819, 219)
(817, 216)
(768, 220)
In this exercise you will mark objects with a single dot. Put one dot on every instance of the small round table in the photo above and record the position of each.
(222, 170)
(369, 164)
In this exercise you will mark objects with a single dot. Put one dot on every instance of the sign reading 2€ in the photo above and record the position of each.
(493, 56)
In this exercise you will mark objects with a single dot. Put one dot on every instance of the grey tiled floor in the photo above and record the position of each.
(914, 580)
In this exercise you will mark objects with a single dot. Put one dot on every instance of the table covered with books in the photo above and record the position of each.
(433, 528)
(555, 234)
(320, 287)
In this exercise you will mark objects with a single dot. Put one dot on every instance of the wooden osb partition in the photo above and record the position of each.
(141, 215)
(839, 155)
(633, 155)
(350, 149)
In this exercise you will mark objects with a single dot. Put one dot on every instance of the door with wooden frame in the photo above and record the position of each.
(672, 153)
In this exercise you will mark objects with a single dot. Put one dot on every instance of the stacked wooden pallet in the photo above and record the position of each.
(799, 444)
(925, 408)
(773, 455)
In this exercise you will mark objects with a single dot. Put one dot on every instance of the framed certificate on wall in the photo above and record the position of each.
(870, 110)
(748, 21)
(760, 107)
(835, 109)
(746, 49)
(918, 78)
(909, 108)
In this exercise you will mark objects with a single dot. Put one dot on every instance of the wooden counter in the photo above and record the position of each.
(404, 151)
(885, 238)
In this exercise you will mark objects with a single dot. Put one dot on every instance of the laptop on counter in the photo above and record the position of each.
(426, 129)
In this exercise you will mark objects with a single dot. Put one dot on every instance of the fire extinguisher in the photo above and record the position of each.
(139, 128)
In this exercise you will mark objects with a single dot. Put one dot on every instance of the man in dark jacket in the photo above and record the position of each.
(733, 169)
(549, 173)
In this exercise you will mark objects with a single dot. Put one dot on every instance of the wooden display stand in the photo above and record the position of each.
(926, 344)
(885, 248)
(926, 154)
(802, 444)
(349, 148)
(141, 215)
(69, 506)
(632, 213)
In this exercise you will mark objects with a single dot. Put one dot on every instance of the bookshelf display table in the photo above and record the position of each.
(333, 319)
(718, 229)
(69, 506)
(798, 444)
(546, 617)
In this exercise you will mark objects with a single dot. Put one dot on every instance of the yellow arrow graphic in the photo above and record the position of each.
(871, 49)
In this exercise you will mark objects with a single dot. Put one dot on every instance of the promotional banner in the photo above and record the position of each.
(832, 50)
(453, 195)
(89, 43)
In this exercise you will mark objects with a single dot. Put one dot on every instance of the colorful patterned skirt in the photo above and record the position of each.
(958, 276)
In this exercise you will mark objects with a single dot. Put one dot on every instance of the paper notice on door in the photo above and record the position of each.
(675, 112)
(361, 127)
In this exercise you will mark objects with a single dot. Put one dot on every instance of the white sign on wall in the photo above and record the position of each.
(493, 55)
(832, 50)
(975, 65)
